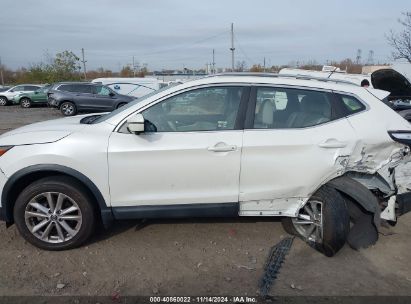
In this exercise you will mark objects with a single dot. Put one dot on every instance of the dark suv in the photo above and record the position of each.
(71, 98)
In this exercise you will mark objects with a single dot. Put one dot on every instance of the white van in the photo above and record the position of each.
(136, 87)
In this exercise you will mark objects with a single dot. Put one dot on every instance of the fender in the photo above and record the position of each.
(7, 205)
(364, 211)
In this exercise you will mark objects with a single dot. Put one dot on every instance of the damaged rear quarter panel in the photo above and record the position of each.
(374, 150)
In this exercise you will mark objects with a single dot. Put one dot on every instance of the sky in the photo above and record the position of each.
(173, 34)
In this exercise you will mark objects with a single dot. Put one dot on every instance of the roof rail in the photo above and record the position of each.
(276, 75)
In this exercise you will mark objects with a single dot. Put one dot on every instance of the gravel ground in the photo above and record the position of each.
(197, 257)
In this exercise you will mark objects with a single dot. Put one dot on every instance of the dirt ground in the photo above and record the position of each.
(197, 257)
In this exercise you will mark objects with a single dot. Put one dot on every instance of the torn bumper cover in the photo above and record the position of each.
(369, 188)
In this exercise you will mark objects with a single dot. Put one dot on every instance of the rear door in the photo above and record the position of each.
(292, 142)
(84, 97)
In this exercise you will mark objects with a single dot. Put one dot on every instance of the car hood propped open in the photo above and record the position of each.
(392, 81)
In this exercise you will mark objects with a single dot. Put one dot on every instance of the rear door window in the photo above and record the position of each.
(83, 88)
(279, 108)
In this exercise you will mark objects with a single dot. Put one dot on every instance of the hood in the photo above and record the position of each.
(42, 132)
(392, 81)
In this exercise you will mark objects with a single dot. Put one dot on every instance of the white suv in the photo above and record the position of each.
(319, 154)
(8, 95)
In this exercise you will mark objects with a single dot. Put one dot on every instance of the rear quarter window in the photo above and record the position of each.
(350, 104)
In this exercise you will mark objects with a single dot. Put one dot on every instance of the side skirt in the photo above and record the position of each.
(176, 211)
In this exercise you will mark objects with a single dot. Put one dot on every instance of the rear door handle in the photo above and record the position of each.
(222, 147)
(332, 143)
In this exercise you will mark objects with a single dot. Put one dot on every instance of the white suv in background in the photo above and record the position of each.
(320, 154)
(8, 95)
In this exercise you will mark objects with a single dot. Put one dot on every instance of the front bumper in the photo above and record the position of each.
(15, 100)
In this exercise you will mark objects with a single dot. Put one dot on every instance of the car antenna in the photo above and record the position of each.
(332, 72)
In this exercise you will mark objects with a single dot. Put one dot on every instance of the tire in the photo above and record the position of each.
(331, 224)
(68, 108)
(25, 102)
(3, 101)
(55, 228)
(121, 104)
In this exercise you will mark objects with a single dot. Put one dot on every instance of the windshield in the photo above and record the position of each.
(129, 105)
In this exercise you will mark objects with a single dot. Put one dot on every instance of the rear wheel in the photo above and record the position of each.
(54, 213)
(68, 108)
(323, 222)
(25, 103)
(3, 101)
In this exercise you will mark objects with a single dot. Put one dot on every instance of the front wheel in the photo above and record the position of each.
(68, 108)
(3, 101)
(25, 103)
(54, 213)
(323, 222)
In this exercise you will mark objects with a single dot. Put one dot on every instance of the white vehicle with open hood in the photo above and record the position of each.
(320, 154)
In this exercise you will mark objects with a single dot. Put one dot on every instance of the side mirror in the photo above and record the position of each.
(111, 94)
(135, 124)
(36, 92)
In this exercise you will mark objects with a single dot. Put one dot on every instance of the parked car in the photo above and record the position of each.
(71, 98)
(7, 96)
(2, 89)
(27, 99)
(136, 86)
(214, 147)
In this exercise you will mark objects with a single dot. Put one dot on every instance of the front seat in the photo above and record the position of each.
(265, 117)
(314, 110)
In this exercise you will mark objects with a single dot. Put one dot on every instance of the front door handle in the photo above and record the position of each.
(332, 143)
(222, 147)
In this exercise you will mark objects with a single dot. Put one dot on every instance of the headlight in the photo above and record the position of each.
(4, 149)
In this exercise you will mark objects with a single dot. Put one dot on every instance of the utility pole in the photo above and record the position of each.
(213, 71)
(1, 73)
(264, 64)
(232, 49)
(84, 64)
(358, 58)
(134, 68)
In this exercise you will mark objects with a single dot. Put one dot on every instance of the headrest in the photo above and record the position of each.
(315, 104)
(267, 110)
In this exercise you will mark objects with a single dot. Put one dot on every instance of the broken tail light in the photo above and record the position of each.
(403, 137)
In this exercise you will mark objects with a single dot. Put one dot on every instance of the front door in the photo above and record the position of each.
(189, 154)
(104, 98)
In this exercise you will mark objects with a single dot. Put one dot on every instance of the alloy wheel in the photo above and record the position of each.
(3, 101)
(67, 109)
(25, 103)
(309, 222)
(53, 217)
